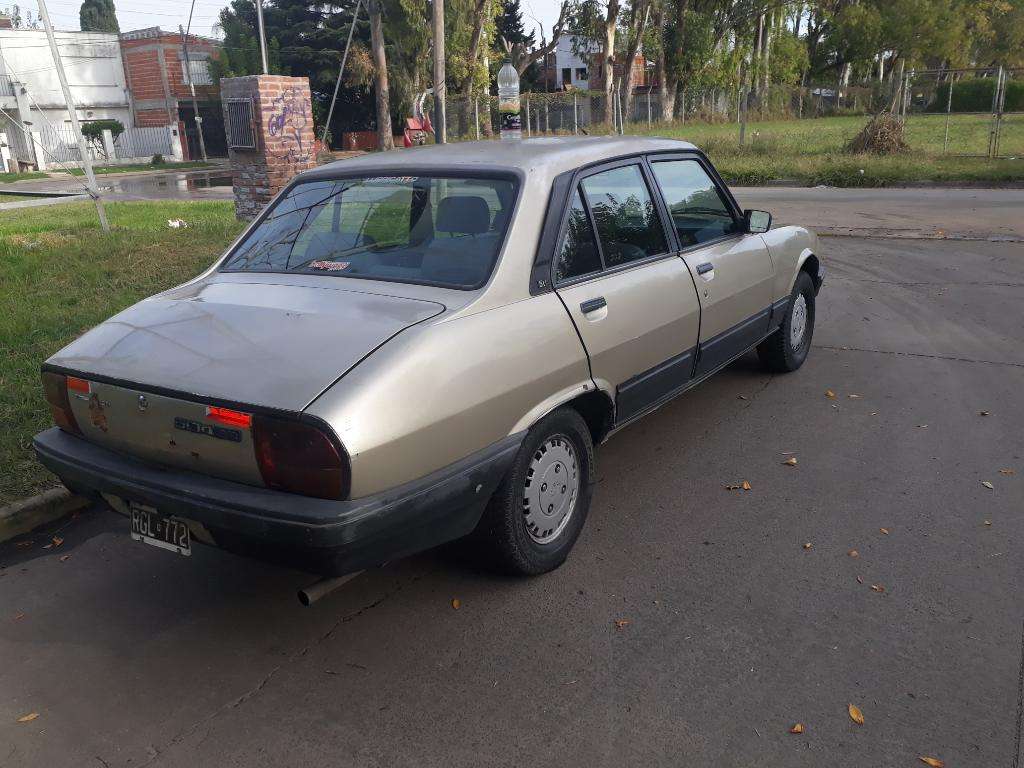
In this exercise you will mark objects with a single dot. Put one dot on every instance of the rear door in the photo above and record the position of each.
(732, 269)
(632, 299)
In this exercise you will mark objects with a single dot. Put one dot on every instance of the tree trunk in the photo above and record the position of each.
(755, 62)
(640, 14)
(380, 78)
(466, 90)
(608, 59)
(766, 48)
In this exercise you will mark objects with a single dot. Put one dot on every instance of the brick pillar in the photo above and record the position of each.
(283, 124)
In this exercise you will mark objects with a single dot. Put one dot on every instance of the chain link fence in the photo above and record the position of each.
(593, 112)
(969, 112)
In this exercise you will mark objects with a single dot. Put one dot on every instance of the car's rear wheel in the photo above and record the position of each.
(787, 348)
(538, 511)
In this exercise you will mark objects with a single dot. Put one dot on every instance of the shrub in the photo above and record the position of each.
(976, 96)
(92, 131)
(158, 159)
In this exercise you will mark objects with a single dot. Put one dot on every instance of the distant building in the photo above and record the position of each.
(157, 77)
(564, 69)
(31, 98)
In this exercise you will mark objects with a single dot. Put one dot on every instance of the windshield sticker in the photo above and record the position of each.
(329, 266)
(388, 180)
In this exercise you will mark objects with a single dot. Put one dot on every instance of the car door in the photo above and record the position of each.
(631, 298)
(732, 269)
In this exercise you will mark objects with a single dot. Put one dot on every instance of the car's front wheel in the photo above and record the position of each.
(538, 511)
(786, 349)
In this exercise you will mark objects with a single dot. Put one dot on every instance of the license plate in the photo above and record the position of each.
(150, 527)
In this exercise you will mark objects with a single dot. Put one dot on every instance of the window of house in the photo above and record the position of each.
(578, 254)
(581, 73)
(566, 75)
(699, 213)
(196, 71)
(628, 226)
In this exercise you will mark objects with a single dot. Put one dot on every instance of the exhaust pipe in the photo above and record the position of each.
(324, 587)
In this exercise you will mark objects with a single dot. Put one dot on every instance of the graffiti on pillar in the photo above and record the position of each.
(290, 114)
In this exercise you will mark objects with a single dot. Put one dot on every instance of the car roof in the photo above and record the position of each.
(551, 155)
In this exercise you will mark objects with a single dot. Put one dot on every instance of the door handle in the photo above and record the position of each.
(707, 266)
(591, 305)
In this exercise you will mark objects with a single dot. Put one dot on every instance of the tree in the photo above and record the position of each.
(98, 16)
(380, 77)
(510, 28)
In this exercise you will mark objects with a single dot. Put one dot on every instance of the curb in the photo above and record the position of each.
(29, 514)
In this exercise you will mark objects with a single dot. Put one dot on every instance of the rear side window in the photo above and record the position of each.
(442, 231)
(578, 254)
(627, 223)
(698, 211)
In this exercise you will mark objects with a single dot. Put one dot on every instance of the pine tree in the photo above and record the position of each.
(510, 25)
(98, 16)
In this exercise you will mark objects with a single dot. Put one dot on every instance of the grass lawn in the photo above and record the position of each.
(104, 169)
(60, 275)
(17, 198)
(6, 178)
(811, 151)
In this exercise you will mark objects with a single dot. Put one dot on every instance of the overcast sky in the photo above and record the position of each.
(136, 14)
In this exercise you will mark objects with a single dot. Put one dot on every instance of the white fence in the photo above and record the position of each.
(57, 145)
(137, 143)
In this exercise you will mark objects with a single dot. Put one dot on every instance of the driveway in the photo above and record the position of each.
(692, 625)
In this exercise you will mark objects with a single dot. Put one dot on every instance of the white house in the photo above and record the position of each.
(30, 94)
(572, 70)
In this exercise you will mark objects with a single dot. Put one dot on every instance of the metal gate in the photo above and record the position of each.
(967, 112)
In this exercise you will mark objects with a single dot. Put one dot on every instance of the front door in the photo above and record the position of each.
(632, 300)
(732, 269)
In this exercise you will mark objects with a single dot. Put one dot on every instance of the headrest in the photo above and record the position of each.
(465, 214)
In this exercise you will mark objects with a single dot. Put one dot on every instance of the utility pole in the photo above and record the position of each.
(341, 71)
(94, 190)
(263, 36)
(440, 130)
(192, 87)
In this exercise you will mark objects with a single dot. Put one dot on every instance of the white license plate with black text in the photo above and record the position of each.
(150, 527)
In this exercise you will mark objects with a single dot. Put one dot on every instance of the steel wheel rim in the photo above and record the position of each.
(798, 322)
(551, 489)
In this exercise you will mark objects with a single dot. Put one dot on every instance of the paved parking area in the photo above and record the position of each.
(736, 631)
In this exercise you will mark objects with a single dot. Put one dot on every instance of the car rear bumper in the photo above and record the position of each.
(319, 535)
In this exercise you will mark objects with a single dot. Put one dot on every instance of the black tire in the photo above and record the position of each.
(778, 353)
(503, 534)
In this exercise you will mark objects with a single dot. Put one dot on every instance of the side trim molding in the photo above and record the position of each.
(726, 345)
(652, 385)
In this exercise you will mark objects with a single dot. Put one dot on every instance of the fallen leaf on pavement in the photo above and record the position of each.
(984, 413)
(988, 485)
(19, 617)
(65, 558)
(1007, 472)
(807, 545)
(884, 531)
(790, 462)
(855, 714)
(746, 486)
(988, 522)
(830, 394)
(28, 718)
(860, 579)
(853, 553)
(620, 623)
(922, 426)
(743, 397)
(934, 762)
(456, 603)
(877, 588)
(57, 541)
(854, 397)
(798, 728)
(731, 487)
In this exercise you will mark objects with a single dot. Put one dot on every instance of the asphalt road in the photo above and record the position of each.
(133, 656)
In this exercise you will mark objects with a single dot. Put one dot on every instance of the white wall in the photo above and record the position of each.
(92, 62)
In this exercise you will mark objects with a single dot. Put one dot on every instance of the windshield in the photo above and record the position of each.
(419, 229)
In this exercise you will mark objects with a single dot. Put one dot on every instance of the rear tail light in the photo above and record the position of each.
(228, 417)
(55, 389)
(298, 457)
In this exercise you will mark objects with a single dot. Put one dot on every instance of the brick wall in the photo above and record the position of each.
(145, 73)
(283, 117)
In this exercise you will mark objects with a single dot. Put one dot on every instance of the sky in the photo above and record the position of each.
(136, 14)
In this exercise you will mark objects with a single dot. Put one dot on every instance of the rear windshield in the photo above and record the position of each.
(418, 229)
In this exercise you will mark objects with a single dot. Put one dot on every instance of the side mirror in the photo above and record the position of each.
(757, 221)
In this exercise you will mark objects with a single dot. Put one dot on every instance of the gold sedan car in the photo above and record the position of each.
(414, 347)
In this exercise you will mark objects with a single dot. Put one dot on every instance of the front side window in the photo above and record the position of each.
(698, 211)
(421, 229)
(627, 223)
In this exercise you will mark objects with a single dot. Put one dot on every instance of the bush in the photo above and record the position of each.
(92, 131)
(158, 159)
(976, 96)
